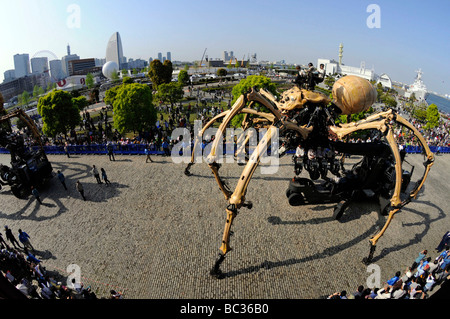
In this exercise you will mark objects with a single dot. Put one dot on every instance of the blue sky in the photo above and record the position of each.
(412, 34)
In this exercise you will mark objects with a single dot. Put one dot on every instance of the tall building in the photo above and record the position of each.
(227, 56)
(39, 65)
(17, 86)
(100, 62)
(65, 63)
(114, 51)
(9, 75)
(160, 57)
(21, 65)
(81, 67)
(56, 71)
(169, 56)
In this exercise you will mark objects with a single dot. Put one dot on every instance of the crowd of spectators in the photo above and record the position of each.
(416, 282)
(28, 274)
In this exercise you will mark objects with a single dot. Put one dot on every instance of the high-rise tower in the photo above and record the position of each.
(22, 65)
(114, 50)
(341, 51)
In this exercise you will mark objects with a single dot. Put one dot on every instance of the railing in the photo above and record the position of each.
(139, 149)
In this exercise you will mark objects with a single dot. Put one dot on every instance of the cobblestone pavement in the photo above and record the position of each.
(155, 233)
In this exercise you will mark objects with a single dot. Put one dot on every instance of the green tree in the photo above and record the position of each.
(388, 100)
(244, 86)
(58, 112)
(222, 72)
(170, 92)
(156, 73)
(127, 80)
(432, 116)
(167, 71)
(160, 72)
(257, 81)
(36, 91)
(355, 117)
(110, 95)
(183, 77)
(329, 81)
(114, 75)
(89, 81)
(133, 108)
(25, 98)
(80, 102)
(420, 114)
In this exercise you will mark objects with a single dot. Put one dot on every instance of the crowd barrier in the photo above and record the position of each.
(139, 149)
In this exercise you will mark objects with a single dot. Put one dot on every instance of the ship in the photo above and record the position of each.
(418, 87)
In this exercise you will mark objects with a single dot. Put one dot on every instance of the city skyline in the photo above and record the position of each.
(410, 34)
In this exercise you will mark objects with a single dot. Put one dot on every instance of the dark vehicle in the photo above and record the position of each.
(29, 166)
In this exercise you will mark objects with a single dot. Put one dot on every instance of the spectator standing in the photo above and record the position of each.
(165, 146)
(419, 258)
(421, 269)
(62, 179)
(358, 293)
(429, 283)
(116, 295)
(36, 194)
(444, 242)
(394, 279)
(3, 243)
(25, 240)
(96, 174)
(11, 237)
(80, 189)
(104, 176)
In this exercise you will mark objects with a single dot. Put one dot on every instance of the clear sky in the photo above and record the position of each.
(411, 35)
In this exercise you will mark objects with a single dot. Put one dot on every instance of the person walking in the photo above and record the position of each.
(11, 237)
(110, 149)
(105, 177)
(96, 174)
(25, 240)
(147, 152)
(66, 149)
(36, 194)
(80, 189)
(62, 179)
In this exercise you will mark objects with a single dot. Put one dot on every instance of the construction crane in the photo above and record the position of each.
(204, 52)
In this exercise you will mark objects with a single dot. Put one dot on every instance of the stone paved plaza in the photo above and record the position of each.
(155, 233)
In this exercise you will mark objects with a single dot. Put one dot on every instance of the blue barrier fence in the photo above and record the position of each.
(139, 149)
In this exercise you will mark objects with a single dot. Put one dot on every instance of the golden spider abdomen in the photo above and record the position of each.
(353, 94)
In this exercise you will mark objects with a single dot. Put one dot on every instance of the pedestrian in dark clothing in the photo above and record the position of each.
(110, 149)
(25, 239)
(80, 189)
(104, 176)
(62, 179)
(11, 238)
(36, 194)
(66, 150)
(3, 243)
(96, 174)
(445, 242)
